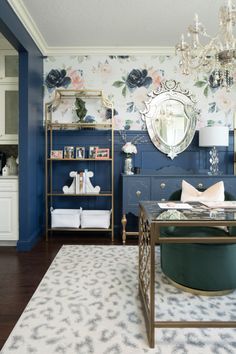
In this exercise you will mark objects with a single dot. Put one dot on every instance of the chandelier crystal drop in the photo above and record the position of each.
(217, 58)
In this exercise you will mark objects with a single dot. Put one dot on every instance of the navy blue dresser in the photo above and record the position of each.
(153, 186)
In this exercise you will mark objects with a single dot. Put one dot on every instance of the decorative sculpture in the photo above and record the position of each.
(81, 183)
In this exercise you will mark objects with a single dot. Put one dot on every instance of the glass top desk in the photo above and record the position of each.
(151, 219)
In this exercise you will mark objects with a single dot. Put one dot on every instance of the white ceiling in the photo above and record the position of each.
(60, 24)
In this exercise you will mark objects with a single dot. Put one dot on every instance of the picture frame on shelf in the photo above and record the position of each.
(102, 154)
(56, 154)
(80, 152)
(92, 150)
(69, 152)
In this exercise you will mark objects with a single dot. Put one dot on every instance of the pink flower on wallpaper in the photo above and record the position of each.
(77, 80)
(225, 100)
(118, 123)
(140, 96)
(157, 77)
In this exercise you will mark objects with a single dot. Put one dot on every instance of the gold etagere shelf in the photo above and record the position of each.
(50, 127)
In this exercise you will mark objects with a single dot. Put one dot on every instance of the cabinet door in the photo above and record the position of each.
(8, 216)
(9, 64)
(135, 189)
(9, 114)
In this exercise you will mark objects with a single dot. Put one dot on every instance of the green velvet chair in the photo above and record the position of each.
(205, 267)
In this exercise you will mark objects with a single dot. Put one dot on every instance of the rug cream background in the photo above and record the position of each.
(88, 303)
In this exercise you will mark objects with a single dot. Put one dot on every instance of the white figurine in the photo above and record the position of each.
(5, 171)
(72, 188)
(81, 183)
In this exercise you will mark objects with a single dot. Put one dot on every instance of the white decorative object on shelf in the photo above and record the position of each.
(81, 184)
(65, 218)
(5, 171)
(95, 219)
(72, 188)
(11, 163)
(129, 148)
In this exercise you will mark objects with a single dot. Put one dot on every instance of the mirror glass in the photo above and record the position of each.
(171, 118)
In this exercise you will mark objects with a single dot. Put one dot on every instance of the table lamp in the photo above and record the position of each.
(214, 136)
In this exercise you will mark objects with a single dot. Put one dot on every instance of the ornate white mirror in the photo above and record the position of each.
(171, 118)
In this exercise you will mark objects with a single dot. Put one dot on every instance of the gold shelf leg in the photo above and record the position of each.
(124, 222)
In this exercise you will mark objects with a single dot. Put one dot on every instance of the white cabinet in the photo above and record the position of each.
(9, 224)
(8, 66)
(9, 101)
(9, 114)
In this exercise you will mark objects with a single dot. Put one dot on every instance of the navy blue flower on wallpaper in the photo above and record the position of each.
(208, 84)
(109, 113)
(57, 78)
(136, 78)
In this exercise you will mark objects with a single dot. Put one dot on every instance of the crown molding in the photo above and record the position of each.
(31, 27)
(53, 51)
(29, 24)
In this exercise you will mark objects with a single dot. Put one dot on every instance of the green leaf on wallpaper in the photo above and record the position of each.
(118, 83)
(124, 91)
(200, 83)
(212, 107)
(128, 122)
(162, 58)
(205, 92)
(210, 122)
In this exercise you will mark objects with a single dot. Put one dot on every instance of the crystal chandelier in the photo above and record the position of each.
(217, 57)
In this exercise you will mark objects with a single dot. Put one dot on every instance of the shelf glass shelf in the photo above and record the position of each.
(78, 126)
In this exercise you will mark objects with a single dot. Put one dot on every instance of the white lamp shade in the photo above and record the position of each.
(214, 136)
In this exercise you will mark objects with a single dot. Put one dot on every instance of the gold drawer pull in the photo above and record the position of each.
(138, 193)
(163, 185)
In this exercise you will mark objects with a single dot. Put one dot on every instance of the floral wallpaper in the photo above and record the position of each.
(126, 80)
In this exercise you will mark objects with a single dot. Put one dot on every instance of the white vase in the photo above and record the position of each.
(128, 165)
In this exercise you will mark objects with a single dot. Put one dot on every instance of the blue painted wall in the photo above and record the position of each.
(31, 138)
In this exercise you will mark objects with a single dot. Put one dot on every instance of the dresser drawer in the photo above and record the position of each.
(8, 185)
(162, 187)
(135, 189)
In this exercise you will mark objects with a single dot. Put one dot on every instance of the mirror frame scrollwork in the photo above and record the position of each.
(170, 90)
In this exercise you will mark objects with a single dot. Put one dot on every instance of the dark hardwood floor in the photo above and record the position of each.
(21, 273)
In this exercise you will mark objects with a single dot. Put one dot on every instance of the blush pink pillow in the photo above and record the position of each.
(215, 193)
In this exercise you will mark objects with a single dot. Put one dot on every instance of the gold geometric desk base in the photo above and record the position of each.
(149, 235)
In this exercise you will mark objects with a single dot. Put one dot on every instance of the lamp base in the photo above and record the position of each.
(215, 173)
(214, 162)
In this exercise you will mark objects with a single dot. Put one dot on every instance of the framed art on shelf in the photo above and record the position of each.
(56, 154)
(68, 152)
(92, 150)
(80, 152)
(102, 153)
